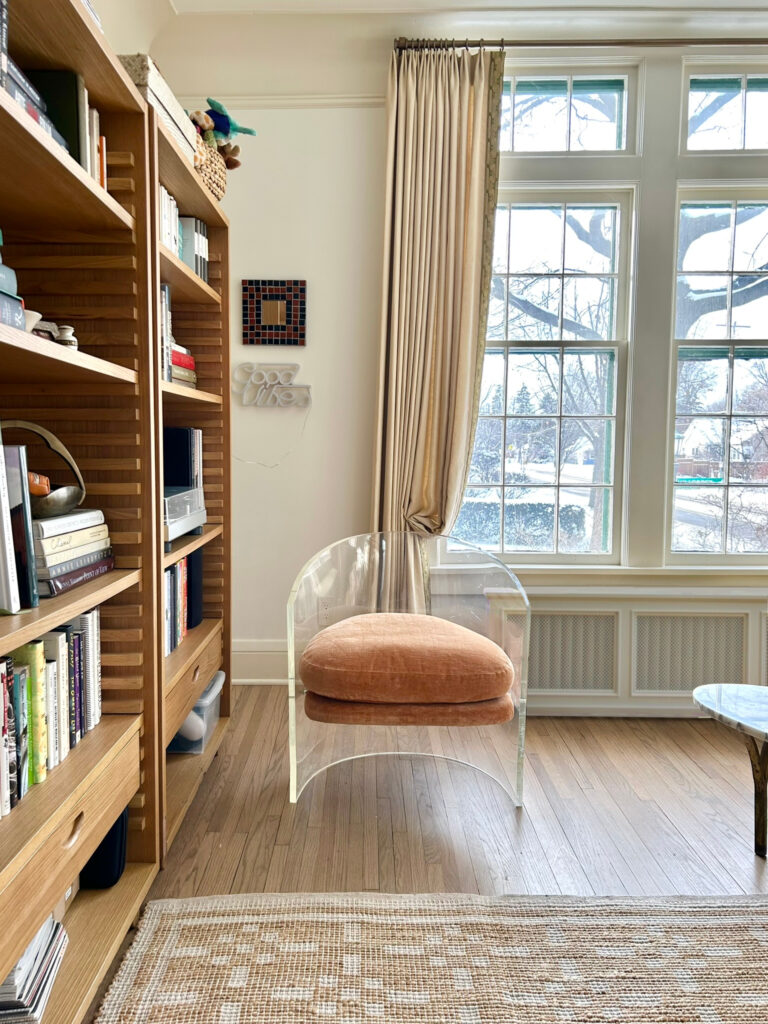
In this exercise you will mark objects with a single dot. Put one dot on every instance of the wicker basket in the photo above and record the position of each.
(209, 164)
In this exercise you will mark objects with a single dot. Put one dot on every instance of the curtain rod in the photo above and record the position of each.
(500, 44)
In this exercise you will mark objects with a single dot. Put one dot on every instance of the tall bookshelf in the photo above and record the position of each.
(89, 256)
(200, 312)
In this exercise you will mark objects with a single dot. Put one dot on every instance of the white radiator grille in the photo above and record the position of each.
(572, 652)
(675, 653)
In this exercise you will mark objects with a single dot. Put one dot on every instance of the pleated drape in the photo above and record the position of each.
(442, 174)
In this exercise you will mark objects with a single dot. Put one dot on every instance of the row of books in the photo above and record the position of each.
(25, 992)
(51, 697)
(43, 557)
(177, 362)
(176, 621)
(186, 237)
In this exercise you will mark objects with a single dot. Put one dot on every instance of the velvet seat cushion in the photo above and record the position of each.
(399, 658)
(355, 712)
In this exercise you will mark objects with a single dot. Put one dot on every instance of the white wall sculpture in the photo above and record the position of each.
(270, 384)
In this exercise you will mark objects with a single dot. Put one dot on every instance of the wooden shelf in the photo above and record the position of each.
(178, 661)
(179, 393)
(183, 775)
(44, 191)
(35, 363)
(62, 34)
(39, 812)
(184, 183)
(96, 924)
(19, 629)
(186, 286)
(184, 546)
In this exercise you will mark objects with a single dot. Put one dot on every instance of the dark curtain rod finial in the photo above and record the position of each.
(402, 43)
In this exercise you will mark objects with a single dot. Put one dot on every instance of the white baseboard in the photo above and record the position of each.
(260, 662)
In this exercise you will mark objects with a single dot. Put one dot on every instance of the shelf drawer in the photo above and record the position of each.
(205, 658)
(28, 897)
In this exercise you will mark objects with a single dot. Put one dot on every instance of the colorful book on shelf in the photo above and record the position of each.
(78, 645)
(13, 758)
(57, 650)
(9, 581)
(12, 311)
(21, 714)
(62, 584)
(33, 656)
(58, 525)
(21, 522)
(182, 360)
(5, 764)
(51, 715)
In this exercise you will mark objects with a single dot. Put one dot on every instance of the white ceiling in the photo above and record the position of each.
(415, 7)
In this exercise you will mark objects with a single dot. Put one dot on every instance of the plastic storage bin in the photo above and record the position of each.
(201, 721)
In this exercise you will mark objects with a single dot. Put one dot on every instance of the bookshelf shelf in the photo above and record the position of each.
(96, 924)
(177, 393)
(16, 630)
(44, 190)
(186, 545)
(189, 650)
(184, 183)
(38, 364)
(186, 286)
(184, 773)
(61, 34)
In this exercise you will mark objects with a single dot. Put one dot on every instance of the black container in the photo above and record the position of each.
(107, 862)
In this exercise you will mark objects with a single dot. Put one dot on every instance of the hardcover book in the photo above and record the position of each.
(64, 542)
(61, 584)
(21, 713)
(56, 650)
(21, 522)
(33, 656)
(9, 583)
(13, 759)
(57, 525)
(51, 715)
(66, 98)
(72, 564)
(67, 555)
(5, 778)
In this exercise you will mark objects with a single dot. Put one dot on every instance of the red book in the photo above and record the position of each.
(182, 359)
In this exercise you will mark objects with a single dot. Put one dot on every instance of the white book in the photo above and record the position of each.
(97, 655)
(69, 541)
(84, 141)
(57, 557)
(56, 649)
(93, 141)
(57, 525)
(9, 581)
(52, 714)
(89, 624)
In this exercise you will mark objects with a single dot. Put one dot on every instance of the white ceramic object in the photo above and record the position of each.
(31, 319)
(66, 336)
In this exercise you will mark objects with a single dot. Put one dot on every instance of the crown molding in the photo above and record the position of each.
(289, 102)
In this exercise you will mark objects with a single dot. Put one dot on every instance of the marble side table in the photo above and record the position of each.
(744, 708)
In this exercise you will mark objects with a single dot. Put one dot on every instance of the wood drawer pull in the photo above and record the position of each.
(77, 828)
(196, 674)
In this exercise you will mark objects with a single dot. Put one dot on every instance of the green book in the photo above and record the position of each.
(33, 655)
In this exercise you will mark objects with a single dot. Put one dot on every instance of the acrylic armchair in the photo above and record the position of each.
(455, 684)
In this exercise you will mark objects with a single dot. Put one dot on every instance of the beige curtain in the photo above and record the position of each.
(442, 174)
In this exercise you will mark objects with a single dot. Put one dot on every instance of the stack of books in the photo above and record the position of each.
(25, 992)
(51, 698)
(11, 305)
(177, 362)
(21, 89)
(183, 366)
(70, 550)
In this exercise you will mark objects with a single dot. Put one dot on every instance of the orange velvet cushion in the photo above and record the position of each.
(398, 658)
(353, 712)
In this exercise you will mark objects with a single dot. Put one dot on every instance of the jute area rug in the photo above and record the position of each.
(357, 959)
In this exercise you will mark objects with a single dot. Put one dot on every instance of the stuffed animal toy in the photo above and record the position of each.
(230, 154)
(217, 121)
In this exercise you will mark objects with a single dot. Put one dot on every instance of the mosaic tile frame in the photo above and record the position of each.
(291, 293)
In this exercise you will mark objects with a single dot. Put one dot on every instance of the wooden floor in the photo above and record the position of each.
(612, 806)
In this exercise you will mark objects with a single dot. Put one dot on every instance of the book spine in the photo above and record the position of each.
(51, 716)
(9, 582)
(13, 762)
(70, 541)
(11, 311)
(56, 558)
(66, 524)
(8, 282)
(71, 689)
(182, 373)
(84, 156)
(21, 711)
(61, 584)
(73, 564)
(5, 782)
(180, 359)
(77, 643)
(38, 732)
(21, 80)
(97, 659)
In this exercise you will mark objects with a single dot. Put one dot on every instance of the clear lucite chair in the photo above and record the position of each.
(408, 573)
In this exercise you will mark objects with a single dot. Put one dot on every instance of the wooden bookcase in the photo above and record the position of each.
(200, 313)
(89, 256)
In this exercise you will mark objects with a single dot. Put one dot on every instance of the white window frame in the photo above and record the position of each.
(655, 171)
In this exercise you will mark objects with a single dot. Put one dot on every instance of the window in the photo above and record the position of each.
(563, 113)
(728, 112)
(541, 477)
(720, 501)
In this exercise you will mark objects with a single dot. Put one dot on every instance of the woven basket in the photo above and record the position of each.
(209, 164)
